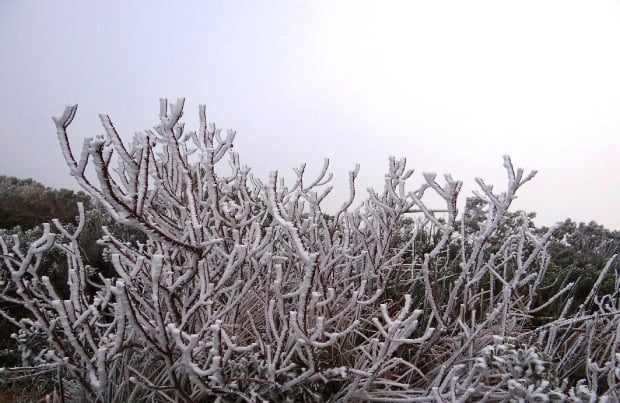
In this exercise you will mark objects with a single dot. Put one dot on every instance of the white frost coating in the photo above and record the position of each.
(247, 291)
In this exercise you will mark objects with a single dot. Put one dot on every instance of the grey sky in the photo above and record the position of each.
(451, 86)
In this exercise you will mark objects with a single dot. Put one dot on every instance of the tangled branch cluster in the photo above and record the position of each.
(248, 291)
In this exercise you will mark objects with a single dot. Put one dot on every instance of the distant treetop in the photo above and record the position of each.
(27, 203)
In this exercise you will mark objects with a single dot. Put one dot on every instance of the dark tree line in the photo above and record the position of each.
(27, 203)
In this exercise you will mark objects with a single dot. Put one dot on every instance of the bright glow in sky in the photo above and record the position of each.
(451, 86)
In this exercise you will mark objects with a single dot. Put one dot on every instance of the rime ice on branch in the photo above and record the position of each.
(249, 290)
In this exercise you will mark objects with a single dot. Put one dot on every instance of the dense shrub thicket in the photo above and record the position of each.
(238, 289)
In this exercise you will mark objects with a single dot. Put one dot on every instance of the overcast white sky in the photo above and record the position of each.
(451, 86)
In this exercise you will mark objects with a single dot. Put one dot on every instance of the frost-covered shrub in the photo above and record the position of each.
(247, 290)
